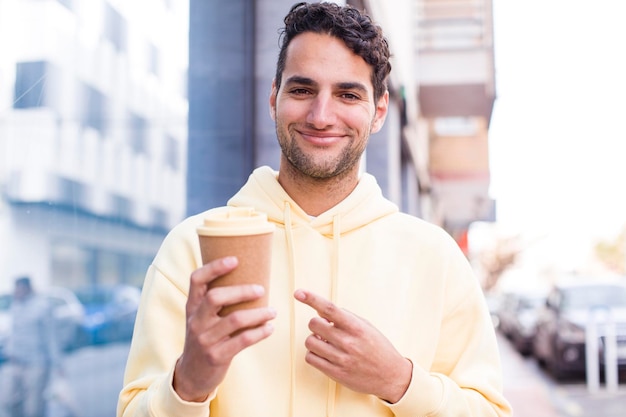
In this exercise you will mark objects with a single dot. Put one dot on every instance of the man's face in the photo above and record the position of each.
(325, 109)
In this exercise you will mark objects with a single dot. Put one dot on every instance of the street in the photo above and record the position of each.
(95, 375)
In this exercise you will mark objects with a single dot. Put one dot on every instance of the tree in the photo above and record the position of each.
(496, 259)
(612, 253)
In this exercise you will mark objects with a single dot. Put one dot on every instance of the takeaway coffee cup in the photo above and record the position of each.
(246, 234)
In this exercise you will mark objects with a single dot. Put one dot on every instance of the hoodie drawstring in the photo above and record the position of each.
(332, 384)
(292, 308)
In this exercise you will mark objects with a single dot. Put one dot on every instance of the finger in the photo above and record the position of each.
(238, 321)
(325, 308)
(247, 319)
(322, 328)
(319, 362)
(248, 337)
(233, 294)
(322, 348)
(201, 277)
(209, 306)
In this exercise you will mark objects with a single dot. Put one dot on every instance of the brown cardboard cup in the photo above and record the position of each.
(246, 234)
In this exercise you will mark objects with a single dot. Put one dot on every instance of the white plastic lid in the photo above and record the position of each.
(234, 221)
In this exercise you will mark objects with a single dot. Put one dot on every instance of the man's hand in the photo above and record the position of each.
(354, 353)
(209, 346)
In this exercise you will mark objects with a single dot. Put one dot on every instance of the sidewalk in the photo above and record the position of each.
(533, 396)
(529, 396)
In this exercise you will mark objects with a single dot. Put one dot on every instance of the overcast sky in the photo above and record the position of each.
(558, 132)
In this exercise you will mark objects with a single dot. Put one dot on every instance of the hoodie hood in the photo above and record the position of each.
(364, 205)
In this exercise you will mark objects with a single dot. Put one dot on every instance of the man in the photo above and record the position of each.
(372, 312)
(33, 353)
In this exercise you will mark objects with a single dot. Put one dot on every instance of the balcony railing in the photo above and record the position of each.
(455, 58)
(454, 24)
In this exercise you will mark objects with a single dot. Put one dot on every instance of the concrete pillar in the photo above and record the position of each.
(221, 100)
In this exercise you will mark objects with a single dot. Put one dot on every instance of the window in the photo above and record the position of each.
(159, 218)
(30, 84)
(74, 266)
(71, 193)
(94, 115)
(456, 126)
(69, 264)
(115, 29)
(171, 155)
(153, 59)
(138, 131)
(69, 4)
(122, 208)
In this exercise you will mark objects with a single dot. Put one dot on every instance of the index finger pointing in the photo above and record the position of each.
(325, 308)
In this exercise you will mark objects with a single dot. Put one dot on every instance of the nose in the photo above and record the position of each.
(322, 112)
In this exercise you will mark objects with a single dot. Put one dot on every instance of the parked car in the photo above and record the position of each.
(494, 303)
(559, 342)
(518, 316)
(110, 312)
(67, 311)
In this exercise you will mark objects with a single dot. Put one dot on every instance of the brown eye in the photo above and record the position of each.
(350, 96)
(299, 91)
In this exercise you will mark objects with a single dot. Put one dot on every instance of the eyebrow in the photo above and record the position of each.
(297, 79)
(348, 85)
(353, 86)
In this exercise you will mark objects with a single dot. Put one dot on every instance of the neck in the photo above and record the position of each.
(316, 195)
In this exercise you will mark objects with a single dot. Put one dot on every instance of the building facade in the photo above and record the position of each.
(456, 93)
(93, 111)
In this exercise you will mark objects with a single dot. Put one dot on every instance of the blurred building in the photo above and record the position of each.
(456, 91)
(95, 165)
(93, 112)
(431, 157)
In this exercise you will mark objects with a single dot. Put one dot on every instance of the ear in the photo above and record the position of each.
(381, 112)
(273, 94)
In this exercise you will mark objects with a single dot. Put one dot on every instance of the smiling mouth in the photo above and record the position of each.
(320, 138)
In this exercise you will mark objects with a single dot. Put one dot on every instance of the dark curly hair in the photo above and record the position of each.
(354, 28)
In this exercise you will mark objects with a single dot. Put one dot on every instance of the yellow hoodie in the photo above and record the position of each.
(405, 276)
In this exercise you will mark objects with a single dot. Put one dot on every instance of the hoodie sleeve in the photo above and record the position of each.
(159, 334)
(465, 378)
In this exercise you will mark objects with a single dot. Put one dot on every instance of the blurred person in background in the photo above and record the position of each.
(33, 354)
(389, 318)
